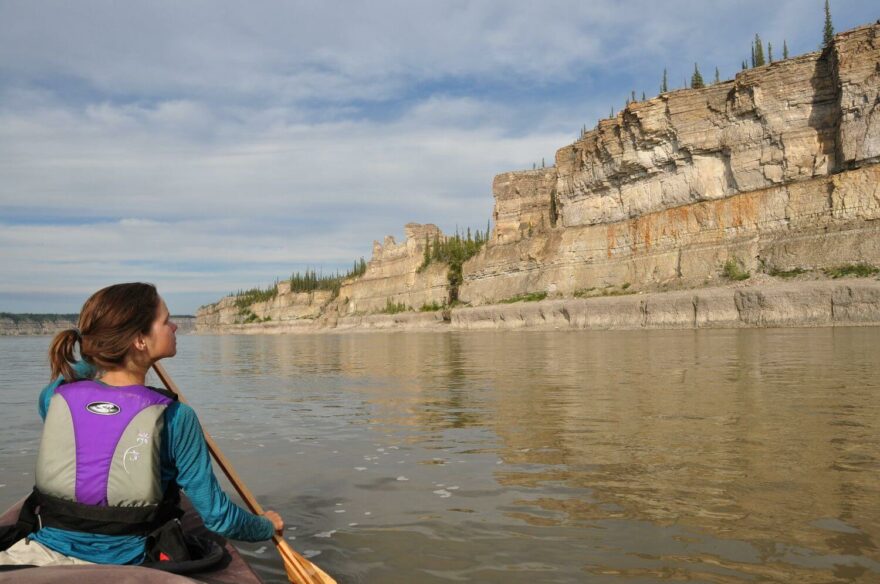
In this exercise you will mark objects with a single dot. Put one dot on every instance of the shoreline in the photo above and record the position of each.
(27, 327)
(817, 303)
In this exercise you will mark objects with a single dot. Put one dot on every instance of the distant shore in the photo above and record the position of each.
(845, 302)
(12, 324)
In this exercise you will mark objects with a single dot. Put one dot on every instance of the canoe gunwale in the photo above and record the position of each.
(234, 570)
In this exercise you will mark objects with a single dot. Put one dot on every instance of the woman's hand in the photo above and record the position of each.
(276, 520)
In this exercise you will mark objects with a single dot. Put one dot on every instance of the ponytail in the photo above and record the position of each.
(61, 355)
(109, 322)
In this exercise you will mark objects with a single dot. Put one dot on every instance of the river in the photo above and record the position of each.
(717, 456)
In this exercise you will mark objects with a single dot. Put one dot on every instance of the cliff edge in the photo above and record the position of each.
(774, 173)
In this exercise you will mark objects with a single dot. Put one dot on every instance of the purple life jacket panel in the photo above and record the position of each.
(101, 445)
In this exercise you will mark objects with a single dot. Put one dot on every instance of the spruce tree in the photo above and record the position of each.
(784, 49)
(770, 52)
(753, 56)
(744, 65)
(828, 32)
(697, 79)
(664, 87)
(717, 76)
(633, 95)
(435, 250)
(643, 96)
(759, 51)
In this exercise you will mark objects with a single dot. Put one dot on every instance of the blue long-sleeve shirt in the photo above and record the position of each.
(184, 457)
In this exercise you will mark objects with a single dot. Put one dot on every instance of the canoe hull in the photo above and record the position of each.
(235, 570)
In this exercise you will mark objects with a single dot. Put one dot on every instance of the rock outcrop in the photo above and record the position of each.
(800, 304)
(813, 224)
(775, 171)
(285, 307)
(523, 204)
(393, 275)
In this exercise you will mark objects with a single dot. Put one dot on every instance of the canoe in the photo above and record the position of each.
(233, 570)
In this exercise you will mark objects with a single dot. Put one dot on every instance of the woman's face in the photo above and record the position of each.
(161, 342)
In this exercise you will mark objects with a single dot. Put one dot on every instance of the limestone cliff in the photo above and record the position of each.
(286, 306)
(775, 170)
(393, 275)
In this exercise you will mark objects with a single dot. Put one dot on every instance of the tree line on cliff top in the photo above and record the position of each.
(452, 250)
(310, 280)
(758, 59)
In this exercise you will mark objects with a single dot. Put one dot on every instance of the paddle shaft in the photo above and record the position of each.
(299, 569)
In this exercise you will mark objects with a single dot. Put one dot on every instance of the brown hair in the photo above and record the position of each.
(109, 322)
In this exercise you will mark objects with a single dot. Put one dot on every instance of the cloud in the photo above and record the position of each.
(130, 159)
(255, 199)
(292, 52)
(215, 254)
(211, 145)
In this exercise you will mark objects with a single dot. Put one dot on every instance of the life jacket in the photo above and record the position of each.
(98, 467)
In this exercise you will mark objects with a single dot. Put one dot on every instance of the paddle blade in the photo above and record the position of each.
(317, 576)
(299, 569)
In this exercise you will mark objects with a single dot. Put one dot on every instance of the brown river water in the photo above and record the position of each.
(717, 456)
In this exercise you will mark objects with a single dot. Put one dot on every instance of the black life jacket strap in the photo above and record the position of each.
(25, 524)
(51, 511)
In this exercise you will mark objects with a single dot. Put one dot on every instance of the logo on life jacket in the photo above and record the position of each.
(103, 408)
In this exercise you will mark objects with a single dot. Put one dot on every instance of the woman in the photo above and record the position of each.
(115, 451)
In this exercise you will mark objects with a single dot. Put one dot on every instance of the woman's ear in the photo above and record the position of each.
(140, 343)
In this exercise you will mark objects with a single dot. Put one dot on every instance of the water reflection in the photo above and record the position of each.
(708, 456)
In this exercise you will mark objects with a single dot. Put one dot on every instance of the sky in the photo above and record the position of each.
(210, 146)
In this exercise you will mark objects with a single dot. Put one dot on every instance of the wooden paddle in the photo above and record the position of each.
(299, 569)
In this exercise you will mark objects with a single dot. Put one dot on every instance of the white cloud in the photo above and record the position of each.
(187, 256)
(125, 159)
(213, 145)
(293, 51)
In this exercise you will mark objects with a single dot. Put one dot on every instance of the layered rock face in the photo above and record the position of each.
(285, 307)
(393, 275)
(774, 170)
(522, 206)
(801, 304)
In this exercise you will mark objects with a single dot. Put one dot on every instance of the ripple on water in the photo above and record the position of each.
(625, 457)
